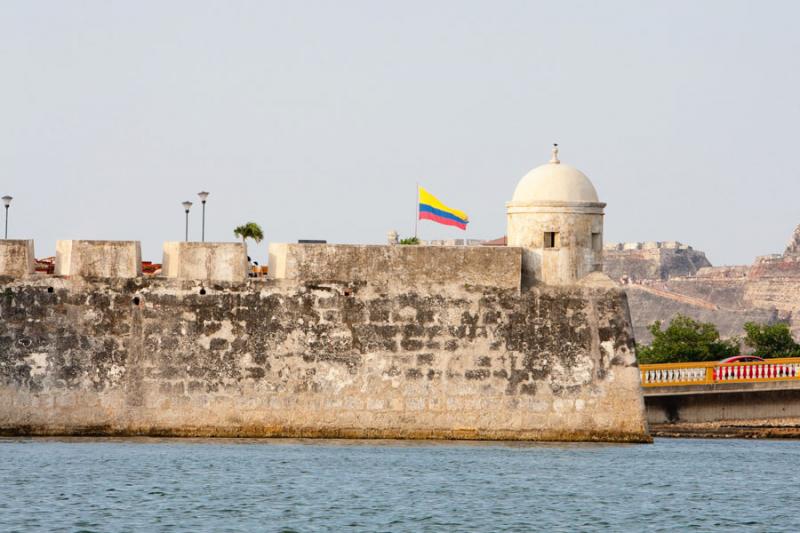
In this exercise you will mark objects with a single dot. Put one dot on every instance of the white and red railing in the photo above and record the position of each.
(707, 373)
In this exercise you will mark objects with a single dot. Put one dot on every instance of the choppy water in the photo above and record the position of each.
(282, 485)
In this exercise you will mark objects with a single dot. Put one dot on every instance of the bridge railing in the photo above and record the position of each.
(708, 373)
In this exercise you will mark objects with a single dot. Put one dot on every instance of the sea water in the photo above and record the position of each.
(319, 485)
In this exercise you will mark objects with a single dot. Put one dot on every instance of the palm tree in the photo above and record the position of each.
(251, 230)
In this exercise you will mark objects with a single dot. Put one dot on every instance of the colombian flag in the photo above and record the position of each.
(430, 208)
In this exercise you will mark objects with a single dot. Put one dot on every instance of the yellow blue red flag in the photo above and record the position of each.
(430, 208)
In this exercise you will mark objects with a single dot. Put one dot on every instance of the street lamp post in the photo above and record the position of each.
(203, 197)
(7, 201)
(186, 206)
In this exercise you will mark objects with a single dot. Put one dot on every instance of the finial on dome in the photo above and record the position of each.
(554, 158)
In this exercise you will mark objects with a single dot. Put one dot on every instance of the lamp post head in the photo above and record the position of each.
(203, 196)
(187, 205)
(7, 200)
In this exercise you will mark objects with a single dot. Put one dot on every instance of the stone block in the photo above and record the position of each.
(217, 261)
(99, 259)
(16, 258)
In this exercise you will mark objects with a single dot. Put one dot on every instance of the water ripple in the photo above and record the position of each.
(290, 485)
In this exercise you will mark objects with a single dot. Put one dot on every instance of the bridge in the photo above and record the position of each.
(723, 399)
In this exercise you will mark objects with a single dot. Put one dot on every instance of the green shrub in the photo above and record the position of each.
(686, 340)
(771, 340)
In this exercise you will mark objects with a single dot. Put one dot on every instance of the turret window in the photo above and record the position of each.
(597, 242)
(551, 239)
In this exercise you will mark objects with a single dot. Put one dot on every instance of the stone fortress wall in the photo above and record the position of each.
(526, 342)
(348, 341)
(652, 260)
(660, 285)
(411, 266)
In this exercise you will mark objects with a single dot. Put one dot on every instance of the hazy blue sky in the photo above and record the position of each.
(316, 119)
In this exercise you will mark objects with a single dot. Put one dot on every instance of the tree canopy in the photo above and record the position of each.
(684, 340)
(250, 230)
(771, 340)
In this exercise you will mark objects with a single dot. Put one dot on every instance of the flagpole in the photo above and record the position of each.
(416, 220)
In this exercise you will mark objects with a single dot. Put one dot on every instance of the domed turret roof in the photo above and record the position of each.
(555, 182)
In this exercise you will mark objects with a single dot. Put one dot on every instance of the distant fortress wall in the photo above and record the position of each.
(415, 343)
(659, 277)
(663, 279)
(651, 260)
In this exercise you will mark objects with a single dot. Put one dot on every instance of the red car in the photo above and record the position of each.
(743, 359)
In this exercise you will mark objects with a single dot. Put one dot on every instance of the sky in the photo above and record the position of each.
(317, 119)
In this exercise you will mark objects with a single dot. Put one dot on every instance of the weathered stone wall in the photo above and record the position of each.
(220, 261)
(16, 258)
(99, 259)
(285, 358)
(652, 260)
(400, 266)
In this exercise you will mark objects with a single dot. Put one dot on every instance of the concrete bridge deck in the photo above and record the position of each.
(721, 388)
(723, 400)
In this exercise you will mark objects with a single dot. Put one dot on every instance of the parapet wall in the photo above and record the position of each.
(151, 356)
(123, 259)
(724, 272)
(398, 266)
(16, 258)
(652, 260)
(775, 266)
(217, 261)
(99, 259)
(648, 245)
